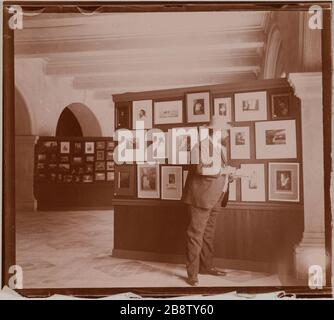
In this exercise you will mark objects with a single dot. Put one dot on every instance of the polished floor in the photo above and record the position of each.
(73, 249)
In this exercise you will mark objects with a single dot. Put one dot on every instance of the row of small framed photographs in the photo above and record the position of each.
(248, 106)
(100, 155)
(67, 147)
(283, 182)
(80, 169)
(53, 177)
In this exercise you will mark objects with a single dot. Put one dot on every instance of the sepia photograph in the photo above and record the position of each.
(86, 84)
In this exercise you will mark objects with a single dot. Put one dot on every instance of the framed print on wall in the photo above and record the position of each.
(142, 111)
(64, 147)
(276, 139)
(284, 181)
(240, 143)
(171, 182)
(123, 117)
(232, 195)
(253, 182)
(223, 108)
(125, 180)
(148, 181)
(198, 107)
(168, 112)
(280, 105)
(250, 106)
(89, 147)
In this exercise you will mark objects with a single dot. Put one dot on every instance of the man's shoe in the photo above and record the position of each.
(192, 281)
(213, 272)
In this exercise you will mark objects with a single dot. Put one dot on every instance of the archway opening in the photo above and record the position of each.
(68, 125)
(23, 123)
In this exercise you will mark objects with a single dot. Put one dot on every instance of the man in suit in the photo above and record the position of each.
(206, 188)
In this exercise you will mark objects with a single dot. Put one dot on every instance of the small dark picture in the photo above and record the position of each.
(100, 145)
(274, 137)
(100, 155)
(198, 108)
(240, 139)
(100, 177)
(87, 178)
(123, 118)
(64, 167)
(77, 178)
(41, 157)
(52, 166)
(110, 176)
(283, 181)
(124, 180)
(53, 158)
(250, 105)
(89, 168)
(67, 178)
(77, 147)
(280, 106)
(50, 146)
(64, 159)
(222, 109)
(148, 179)
(99, 166)
(89, 158)
(110, 165)
(40, 166)
(110, 145)
(77, 160)
(53, 177)
(109, 155)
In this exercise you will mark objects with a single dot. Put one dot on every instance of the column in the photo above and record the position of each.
(24, 173)
(311, 250)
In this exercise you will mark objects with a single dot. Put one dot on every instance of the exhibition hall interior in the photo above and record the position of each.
(85, 221)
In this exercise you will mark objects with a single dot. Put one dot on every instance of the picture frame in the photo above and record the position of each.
(142, 111)
(223, 108)
(125, 180)
(100, 145)
(90, 158)
(89, 168)
(232, 195)
(168, 112)
(110, 165)
(250, 106)
(110, 145)
(77, 147)
(100, 166)
(100, 176)
(185, 176)
(123, 117)
(87, 178)
(284, 181)
(171, 182)
(64, 167)
(109, 155)
(198, 107)
(89, 147)
(41, 157)
(50, 146)
(64, 147)
(253, 182)
(240, 143)
(77, 178)
(67, 178)
(77, 160)
(276, 139)
(64, 159)
(100, 155)
(281, 105)
(110, 176)
(148, 181)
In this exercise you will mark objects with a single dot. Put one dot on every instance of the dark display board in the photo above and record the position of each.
(265, 140)
(74, 172)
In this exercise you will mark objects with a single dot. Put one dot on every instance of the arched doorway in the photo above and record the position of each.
(77, 120)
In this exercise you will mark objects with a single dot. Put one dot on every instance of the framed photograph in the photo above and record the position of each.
(110, 165)
(168, 112)
(276, 139)
(77, 160)
(50, 146)
(123, 117)
(100, 166)
(100, 176)
(253, 183)
(240, 143)
(64, 167)
(223, 108)
(171, 182)
(64, 147)
(148, 181)
(142, 111)
(198, 107)
(250, 106)
(41, 166)
(284, 181)
(159, 145)
(64, 159)
(89, 147)
(89, 168)
(77, 178)
(100, 145)
(89, 158)
(87, 178)
(185, 176)
(111, 145)
(77, 147)
(67, 178)
(280, 105)
(232, 195)
(109, 155)
(110, 176)
(52, 166)
(100, 155)
(41, 157)
(125, 180)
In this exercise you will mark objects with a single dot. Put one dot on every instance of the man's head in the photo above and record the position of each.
(217, 124)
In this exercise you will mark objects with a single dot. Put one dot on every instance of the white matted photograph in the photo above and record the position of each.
(142, 111)
(198, 107)
(171, 182)
(240, 143)
(250, 106)
(276, 139)
(168, 112)
(148, 181)
(223, 108)
(232, 195)
(283, 181)
(253, 183)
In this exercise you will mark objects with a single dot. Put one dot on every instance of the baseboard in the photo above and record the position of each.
(247, 265)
